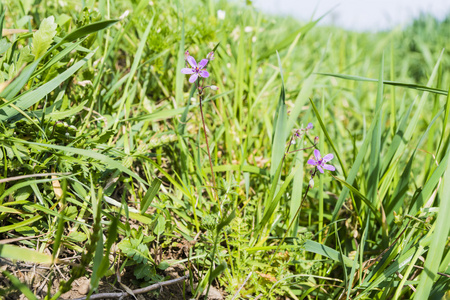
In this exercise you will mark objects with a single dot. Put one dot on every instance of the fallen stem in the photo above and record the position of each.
(136, 291)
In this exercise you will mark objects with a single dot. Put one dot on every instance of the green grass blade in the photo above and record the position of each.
(150, 194)
(14, 87)
(134, 66)
(375, 146)
(24, 254)
(326, 251)
(430, 185)
(360, 195)
(327, 135)
(438, 242)
(179, 77)
(23, 288)
(88, 153)
(31, 98)
(388, 82)
(288, 40)
(279, 140)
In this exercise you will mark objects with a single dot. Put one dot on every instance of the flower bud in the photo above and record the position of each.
(310, 126)
(316, 140)
(124, 15)
(311, 183)
(214, 88)
(186, 55)
(210, 55)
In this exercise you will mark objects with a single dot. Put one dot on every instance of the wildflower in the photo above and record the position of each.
(221, 14)
(297, 133)
(196, 70)
(320, 162)
(124, 15)
(210, 55)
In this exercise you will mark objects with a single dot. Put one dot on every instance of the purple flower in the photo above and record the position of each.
(196, 70)
(310, 126)
(210, 55)
(320, 162)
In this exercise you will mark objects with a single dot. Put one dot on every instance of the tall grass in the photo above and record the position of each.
(103, 153)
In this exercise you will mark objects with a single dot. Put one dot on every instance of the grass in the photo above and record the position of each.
(106, 176)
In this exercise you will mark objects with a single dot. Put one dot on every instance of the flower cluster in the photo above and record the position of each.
(320, 163)
(298, 133)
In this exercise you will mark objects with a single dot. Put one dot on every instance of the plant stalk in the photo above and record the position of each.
(213, 189)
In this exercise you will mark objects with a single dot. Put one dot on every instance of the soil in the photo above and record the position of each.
(38, 278)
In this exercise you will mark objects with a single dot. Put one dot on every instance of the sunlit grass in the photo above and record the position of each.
(104, 156)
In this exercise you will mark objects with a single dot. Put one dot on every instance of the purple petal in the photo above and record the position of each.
(317, 154)
(193, 78)
(187, 71)
(312, 162)
(202, 63)
(192, 61)
(204, 73)
(320, 169)
(328, 157)
(329, 167)
(310, 126)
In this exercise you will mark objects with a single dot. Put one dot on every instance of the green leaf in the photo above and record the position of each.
(279, 139)
(23, 288)
(24, 254)
(133, 249)
(388, 82)
(217, 271)
(226, 221)
(150, 194)
(326, 251)
(89, 153)
(43, 38)
(163, 265)
(31, 98)
(439, 240)
(160, 226)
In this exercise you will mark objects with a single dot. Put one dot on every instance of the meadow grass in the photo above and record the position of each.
(107, 175)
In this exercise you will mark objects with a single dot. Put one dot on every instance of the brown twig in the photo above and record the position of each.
(136, 291)
(31, 176)
(242, 285)
(9, 241)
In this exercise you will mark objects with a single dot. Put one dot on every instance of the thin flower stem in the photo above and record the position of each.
(293, 151)
(207, 148)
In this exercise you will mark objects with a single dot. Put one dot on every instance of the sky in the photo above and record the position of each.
(362, 15)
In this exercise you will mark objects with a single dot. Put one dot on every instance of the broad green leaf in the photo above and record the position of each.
(24, 254)
(160, 225)
(43, 38)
